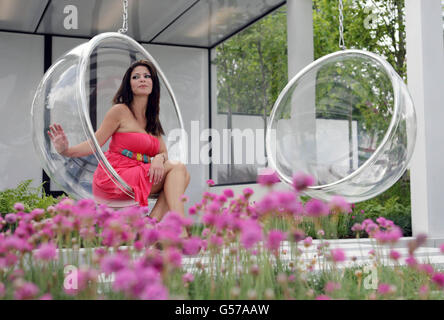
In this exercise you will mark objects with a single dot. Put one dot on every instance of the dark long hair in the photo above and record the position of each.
(125, 95)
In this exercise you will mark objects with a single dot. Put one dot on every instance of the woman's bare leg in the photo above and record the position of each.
(176, 182)
(160, 208)
(172, 186)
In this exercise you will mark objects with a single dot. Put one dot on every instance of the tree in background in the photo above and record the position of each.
(252, 65)
(373, 25)
(252, 70)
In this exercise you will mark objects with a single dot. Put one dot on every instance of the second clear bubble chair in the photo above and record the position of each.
(348, 120)
(76, 92)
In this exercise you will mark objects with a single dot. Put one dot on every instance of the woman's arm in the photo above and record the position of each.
(157, 169)
(163, 152)
(109, 125)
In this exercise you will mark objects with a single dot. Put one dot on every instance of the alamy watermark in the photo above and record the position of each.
(71, 20)
(371, 280)
(371, 20)
(236, 146)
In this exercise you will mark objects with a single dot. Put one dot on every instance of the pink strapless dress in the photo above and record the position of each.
(132, 171)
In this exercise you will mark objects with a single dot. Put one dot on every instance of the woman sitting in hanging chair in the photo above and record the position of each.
(137, 151)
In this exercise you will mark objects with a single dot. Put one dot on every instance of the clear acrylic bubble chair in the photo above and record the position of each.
(348, 120)
(76, 92)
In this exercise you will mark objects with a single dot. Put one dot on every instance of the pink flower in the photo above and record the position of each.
(216, 240)
(37, 213)
(339, 204)
(302, 181)
(395, 255)
(214, 207)
(150, 236)
(138, 245)
(46, 252)
(206, 232)
(385, 288)
(251, 233)
(288, 202)
(332, 286)
(229, 193)
(124, 280)
(337, 255)
(19, 206)
(85, 277)
(267, 177)
(321, 233)
(11, 218)
(308, 241)
(184, 198)
(2, 290)
(210, 182)
(209, 219)
(438, 279)
(187, 277)
(441, 248)
(388, 236)
(298, 235)
(174, 257)
(316, 208)
(411, 261)
(385, 223)
(275, 237)
(192, 245)
(247, 192)
(268, 203)
(26, 291)
(192, 210)
(356, 227)
(155, 292)
(423, 291)
(113, 263)
(426, 268)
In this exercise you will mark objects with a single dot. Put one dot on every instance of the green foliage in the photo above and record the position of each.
(394, 204)
(30, 197)
(377, 26)
(252, 66)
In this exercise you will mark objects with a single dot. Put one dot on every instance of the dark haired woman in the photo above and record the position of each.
(137, 151)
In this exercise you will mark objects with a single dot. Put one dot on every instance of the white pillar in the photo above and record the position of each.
(425, 77)
(298, 134)
(299, 35)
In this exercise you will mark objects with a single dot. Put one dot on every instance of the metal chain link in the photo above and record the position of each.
(341, 26)
(124, 28)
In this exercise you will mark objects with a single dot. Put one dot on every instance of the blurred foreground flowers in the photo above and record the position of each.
(239, 249)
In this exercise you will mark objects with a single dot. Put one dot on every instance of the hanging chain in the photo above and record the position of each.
(341, 26)
(124, 28)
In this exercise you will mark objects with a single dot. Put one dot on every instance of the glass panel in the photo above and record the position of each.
(21, 15)
(251, 70)
(210, 21)
(21, 66)
(145, 18)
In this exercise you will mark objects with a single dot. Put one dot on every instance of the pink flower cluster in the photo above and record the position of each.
(384, 231)
(160, 246)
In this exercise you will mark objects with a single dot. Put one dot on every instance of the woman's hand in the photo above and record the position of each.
(58, 138)
(156, 170)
